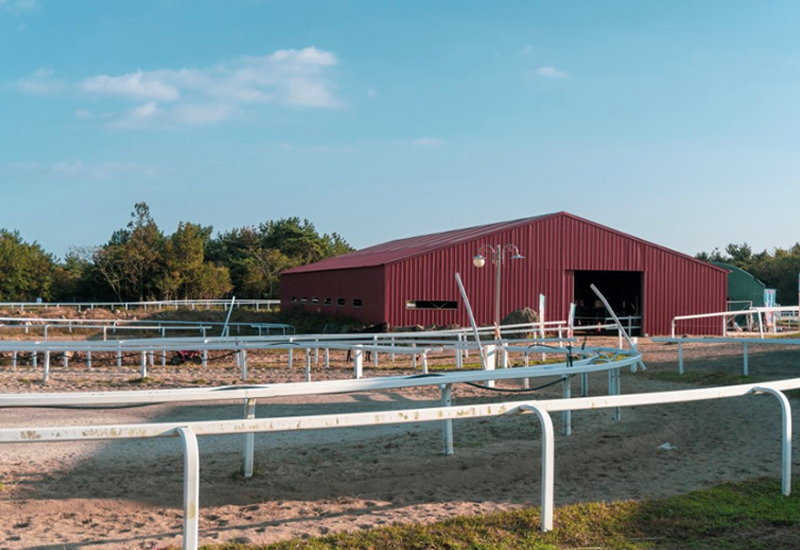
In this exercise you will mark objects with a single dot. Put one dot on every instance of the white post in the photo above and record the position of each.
(144, 365)
(548, 465)
(191, 488)
(680, 358)
(248, 450)
(447, 425)
(327, 358)
(243, 363)
(786, 437)
(491, 354)
(375, 353)
(46, 374)
(358, 362)
(566, 416)
(88, 360)
(459, 354)
(425, 362)
(746, 368)
(308, 365)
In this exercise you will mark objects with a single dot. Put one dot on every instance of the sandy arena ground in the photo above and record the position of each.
(120, 495)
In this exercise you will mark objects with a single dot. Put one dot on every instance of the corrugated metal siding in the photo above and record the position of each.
(365, 283)
(673, 284)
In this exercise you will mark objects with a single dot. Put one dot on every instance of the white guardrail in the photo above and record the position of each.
(790, 312)
(154, 304)
(744, 342)
(188, 431)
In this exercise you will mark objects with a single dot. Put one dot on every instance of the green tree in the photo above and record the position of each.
(187, 275)
(73, 278)
(131, 262)
(25, 269)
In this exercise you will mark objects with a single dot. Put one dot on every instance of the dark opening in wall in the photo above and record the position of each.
(341, 302)
(431, 304)
(326, 302)
(356, 302)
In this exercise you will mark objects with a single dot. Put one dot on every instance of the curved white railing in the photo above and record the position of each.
(188, 431)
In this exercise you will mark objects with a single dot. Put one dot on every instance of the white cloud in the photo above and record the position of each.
(193, 96)
(550, 72)
(40, 82)
(201, 114)
(136, 85)
(427, 142)
(372, 93)
(17, 7)
(79, 169)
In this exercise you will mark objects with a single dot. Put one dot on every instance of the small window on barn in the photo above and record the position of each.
(304, 300)
(431, 304)
(326, 302)
(356, 302)
(314, 300)
(341, 302)
(294, 298)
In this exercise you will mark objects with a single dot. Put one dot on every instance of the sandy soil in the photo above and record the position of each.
(114, 495)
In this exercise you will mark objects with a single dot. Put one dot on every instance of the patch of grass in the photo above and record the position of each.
(733, 516)
(705, 378)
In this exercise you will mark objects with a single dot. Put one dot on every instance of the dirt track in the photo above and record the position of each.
(128, 494)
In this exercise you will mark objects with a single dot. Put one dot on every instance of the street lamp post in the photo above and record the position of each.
(498, 254)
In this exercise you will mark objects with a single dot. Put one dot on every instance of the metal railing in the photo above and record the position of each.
(188, 431)
(153, 304)
(757, 312)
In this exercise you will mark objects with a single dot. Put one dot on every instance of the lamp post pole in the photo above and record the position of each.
(497, 254)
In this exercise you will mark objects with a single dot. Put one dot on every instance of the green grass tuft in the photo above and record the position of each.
(734, 516)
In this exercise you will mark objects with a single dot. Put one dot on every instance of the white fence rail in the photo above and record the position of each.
(744, 342)
(188, 431)
(788, 312)
(155, 304)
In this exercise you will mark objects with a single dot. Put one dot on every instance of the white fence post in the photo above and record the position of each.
(191, 488)
(548, 465)
(248, 450)
(358, 362)
(447, 425)
(786, 437)
(46, 373)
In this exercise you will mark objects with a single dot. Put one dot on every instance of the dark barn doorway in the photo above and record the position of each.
(622, 289)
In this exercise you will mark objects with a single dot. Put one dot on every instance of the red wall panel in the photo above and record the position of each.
(364, 283)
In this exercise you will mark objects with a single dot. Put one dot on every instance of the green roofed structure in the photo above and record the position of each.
(742, 287)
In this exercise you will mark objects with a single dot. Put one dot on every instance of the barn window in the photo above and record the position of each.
(431, 304)
(314, 300)
(356, 302)
(294, 298)
(341, 302)
(304, 300)
(326, 302)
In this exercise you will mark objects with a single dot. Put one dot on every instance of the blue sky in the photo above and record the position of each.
(678, 121)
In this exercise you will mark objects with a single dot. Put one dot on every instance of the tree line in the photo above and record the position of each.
(778, 269)
(140, 262)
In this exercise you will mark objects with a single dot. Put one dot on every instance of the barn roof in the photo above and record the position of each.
(403, 249)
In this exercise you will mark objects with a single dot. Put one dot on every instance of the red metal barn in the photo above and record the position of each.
(412, 281)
